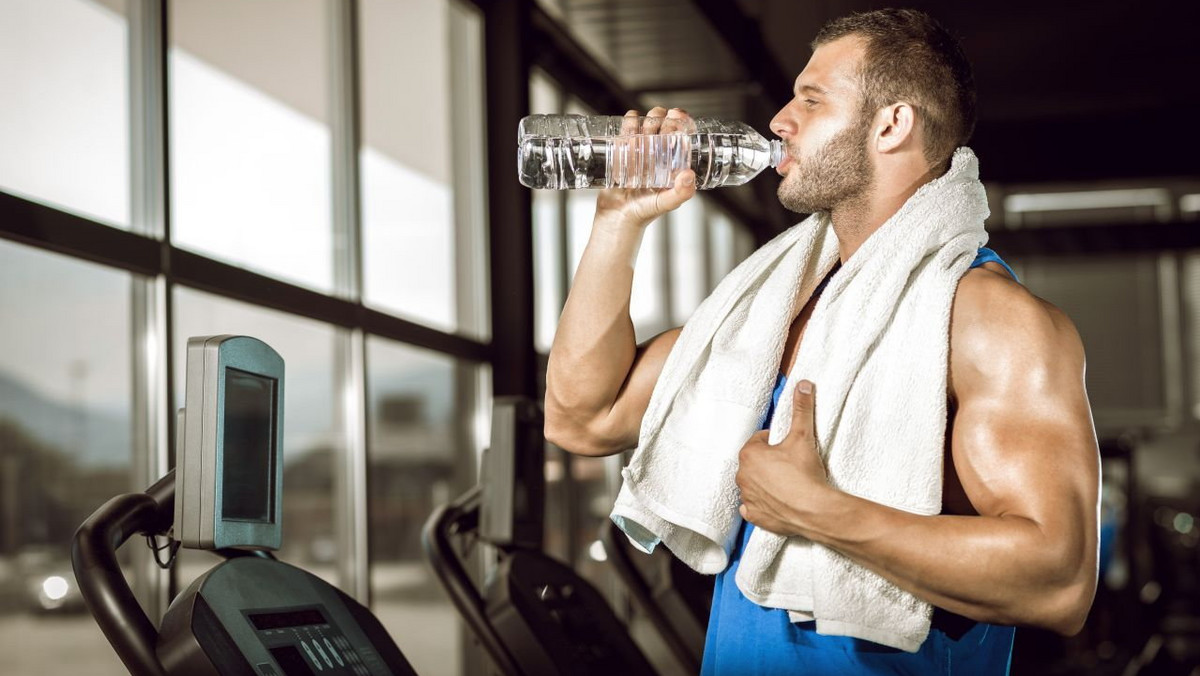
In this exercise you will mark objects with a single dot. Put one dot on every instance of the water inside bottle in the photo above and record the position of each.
(583, 158)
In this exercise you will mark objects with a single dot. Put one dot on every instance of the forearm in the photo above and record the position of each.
(1001, 569)
(594, 346)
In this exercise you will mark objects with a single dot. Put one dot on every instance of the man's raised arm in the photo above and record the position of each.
(598, 381)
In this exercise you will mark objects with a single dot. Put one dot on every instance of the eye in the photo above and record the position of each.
(810, 103)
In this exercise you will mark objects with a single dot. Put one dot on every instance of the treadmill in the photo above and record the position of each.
(533, 615)
(251, 614)
(673, 597)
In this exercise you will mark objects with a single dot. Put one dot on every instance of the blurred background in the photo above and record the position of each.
(337, 178)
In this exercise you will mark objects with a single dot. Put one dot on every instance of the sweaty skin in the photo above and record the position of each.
(1018, 537)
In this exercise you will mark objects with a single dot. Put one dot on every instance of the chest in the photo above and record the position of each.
(791, 346)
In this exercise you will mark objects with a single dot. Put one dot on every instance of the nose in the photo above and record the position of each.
(781, 126)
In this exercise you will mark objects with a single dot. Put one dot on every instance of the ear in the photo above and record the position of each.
(895, 126)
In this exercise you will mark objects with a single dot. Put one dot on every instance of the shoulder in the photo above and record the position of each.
(1001, 332)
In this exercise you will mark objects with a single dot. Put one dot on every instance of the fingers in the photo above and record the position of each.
(629, 123)
(632, 166)
(658, 120)
(653, 120)
(802, 409)
(677, 120)
(756, 441)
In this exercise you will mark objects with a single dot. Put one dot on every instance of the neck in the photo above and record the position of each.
(856, 219)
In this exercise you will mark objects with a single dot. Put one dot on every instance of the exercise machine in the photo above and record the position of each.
(533, 615)
(250, 614)
(674, 598)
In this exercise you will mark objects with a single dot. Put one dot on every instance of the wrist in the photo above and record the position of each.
(823, 511)
(617, 233)
(617, 220)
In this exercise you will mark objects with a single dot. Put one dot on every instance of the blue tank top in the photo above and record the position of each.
(746, 638)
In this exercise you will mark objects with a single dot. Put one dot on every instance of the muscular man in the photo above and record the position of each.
(878, 111)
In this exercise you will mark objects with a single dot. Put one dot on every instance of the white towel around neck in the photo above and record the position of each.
(876, 347)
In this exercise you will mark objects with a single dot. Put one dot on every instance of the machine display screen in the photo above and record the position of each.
(249, 453)
(287, 619)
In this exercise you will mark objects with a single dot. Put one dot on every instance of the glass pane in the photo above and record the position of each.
(688, 260)
(249, 135)
(548, 291)
(65, 449)
(64, 123)
(421, 453)
(557, 518)
(544, 94)
(311, 440)
(594, 496)
(416, 160)
(581, 210)
(743, 244)
(646, 306)
(723, 256)
(1191, 323)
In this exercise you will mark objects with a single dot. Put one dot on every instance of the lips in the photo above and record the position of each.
(783, 165)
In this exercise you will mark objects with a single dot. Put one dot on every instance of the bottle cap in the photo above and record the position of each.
(777, 152)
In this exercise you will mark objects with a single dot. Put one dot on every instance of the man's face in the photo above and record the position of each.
(825, 132)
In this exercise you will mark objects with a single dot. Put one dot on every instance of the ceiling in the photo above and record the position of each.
(1069, 92)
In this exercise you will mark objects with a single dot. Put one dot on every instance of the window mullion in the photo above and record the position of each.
(150, 325)
(350, 472)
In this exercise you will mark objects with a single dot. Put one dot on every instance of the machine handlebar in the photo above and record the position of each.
(98, 573)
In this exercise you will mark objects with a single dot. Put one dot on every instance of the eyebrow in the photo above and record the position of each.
(812, 88)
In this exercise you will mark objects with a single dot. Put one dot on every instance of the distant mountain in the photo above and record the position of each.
(97, 438)
(93, 438)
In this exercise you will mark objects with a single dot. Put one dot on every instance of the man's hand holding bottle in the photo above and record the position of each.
(621, 207)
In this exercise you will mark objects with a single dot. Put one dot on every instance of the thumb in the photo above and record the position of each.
(682, 191)
(802, 408)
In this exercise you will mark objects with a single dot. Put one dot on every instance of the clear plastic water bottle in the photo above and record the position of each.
(560, 152)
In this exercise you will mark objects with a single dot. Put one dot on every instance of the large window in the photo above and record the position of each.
(421, 453)
(422, 163)
(64, 120)
(65, 449)
(247, 137)
(250, 137)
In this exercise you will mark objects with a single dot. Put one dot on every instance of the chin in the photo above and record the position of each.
(794, 205)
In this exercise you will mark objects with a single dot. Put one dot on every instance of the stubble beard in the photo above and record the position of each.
(836, 175)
